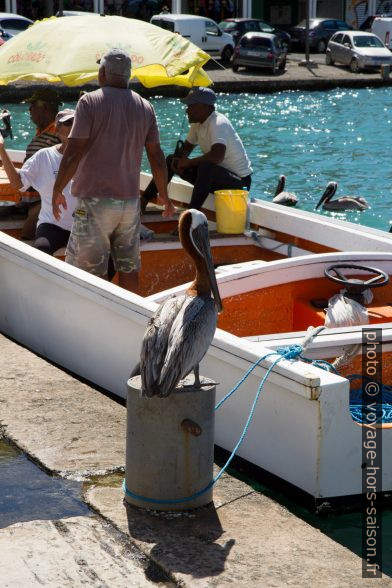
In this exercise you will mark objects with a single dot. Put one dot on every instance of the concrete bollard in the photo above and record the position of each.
(170, 446)
(385, 71)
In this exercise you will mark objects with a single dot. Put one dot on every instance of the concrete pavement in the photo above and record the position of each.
(295, 77)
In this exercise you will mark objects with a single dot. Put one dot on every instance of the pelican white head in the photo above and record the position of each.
(199, 220)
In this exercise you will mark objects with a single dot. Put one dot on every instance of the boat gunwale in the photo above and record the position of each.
(249, 269)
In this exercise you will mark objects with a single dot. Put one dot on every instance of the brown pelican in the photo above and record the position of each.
(282, 197)
(342, 203)
(182, 328)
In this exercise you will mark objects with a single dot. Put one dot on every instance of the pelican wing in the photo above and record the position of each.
(346, 203)
(191, 334)
(155, 342)
(354, 203)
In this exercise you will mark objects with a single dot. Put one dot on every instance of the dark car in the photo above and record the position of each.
(260, 50)
(239, 26)
(320, 32)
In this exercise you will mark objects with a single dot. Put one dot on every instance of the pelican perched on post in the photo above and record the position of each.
(282, 197)
(342, 203)
(182, 328)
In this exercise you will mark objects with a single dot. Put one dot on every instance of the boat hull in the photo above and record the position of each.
(301, 432)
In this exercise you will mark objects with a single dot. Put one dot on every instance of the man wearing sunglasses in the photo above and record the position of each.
(44, 105)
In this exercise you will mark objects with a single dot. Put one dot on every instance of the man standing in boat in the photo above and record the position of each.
(224, 163)
(112, 127)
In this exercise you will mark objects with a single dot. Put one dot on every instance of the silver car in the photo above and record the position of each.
(359, 50)
(14, 23)
(260, 50)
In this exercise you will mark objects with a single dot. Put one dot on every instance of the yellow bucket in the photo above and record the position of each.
(231, 208)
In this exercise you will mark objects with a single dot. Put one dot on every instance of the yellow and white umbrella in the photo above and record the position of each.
(66, 50)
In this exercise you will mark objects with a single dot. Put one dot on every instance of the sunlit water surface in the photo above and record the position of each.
(312, 137)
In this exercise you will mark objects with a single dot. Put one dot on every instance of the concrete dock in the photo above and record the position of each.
(244, 539)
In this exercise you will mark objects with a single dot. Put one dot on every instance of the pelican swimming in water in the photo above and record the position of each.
(342, 203)
(181, 330)
(282, 197)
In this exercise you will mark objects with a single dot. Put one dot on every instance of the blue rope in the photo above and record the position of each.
(353, 377)
(360, 411)
(289, 352)
(163, 500)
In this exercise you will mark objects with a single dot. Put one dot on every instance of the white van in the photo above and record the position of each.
(203, 32)
(382, 27)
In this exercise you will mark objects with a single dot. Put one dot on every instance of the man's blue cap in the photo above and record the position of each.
(200, 95)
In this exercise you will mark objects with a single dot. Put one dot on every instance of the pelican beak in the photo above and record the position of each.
(328, 193)
(320, 201)
(202, 243)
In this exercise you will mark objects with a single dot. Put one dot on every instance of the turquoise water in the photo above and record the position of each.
(313, 138)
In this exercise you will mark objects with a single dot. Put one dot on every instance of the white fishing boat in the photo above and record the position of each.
(302, 432)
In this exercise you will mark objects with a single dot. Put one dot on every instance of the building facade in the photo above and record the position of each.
(283, 13)
(291, 12)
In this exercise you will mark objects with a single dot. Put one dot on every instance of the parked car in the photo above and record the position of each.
(4, 36)
(239, 26)
(382, 27)
(260, 50)
(14, 23)
(75, 13)
(202, 31)
(320, 32)
(359, 50)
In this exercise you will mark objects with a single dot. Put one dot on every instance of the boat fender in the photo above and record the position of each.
(345, 312)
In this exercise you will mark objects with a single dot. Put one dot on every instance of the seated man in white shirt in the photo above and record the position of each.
(40, 172)
(224, 163)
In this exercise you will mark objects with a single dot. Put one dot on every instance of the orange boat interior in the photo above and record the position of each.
(165, 267)
(286, 308)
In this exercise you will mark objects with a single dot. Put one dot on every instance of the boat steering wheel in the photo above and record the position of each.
(354, 286)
